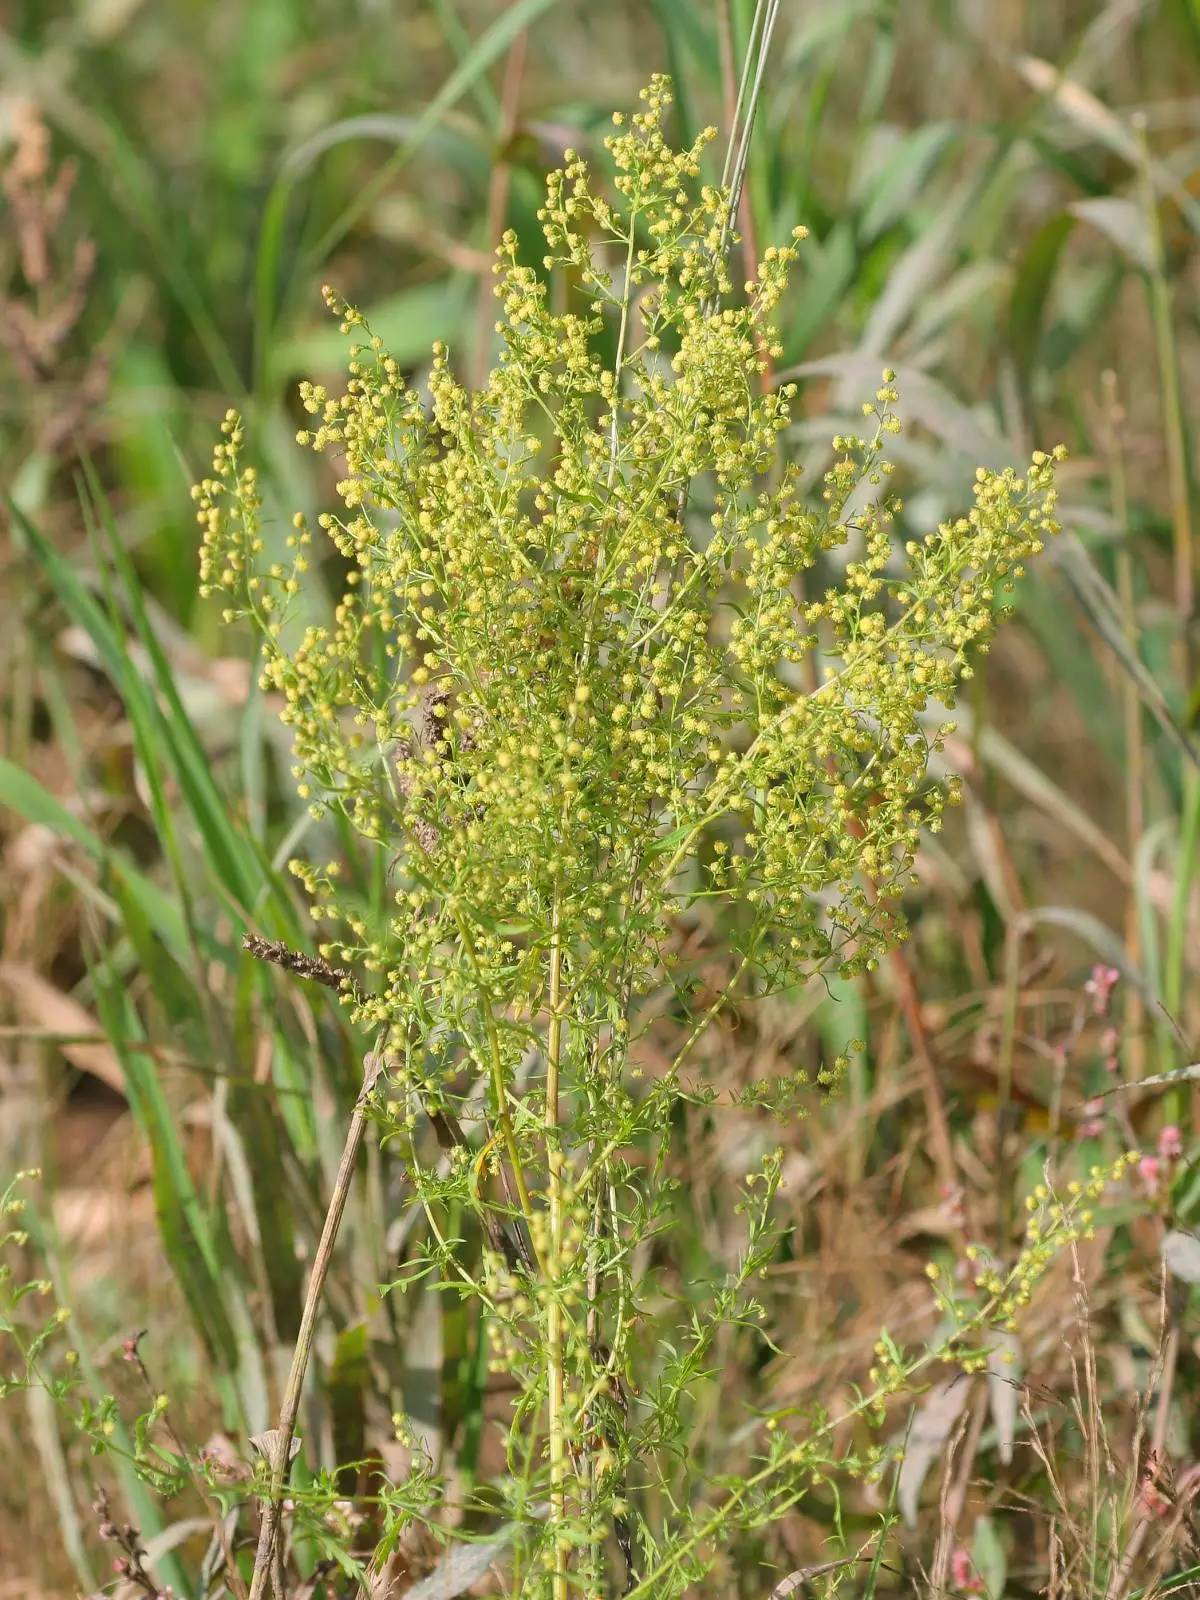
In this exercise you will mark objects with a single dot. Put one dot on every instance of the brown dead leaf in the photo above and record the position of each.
(40, 1004)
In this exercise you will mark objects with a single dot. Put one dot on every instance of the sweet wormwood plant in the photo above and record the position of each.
(581, 686)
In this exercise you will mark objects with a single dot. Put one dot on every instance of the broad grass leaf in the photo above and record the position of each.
(888, 190)
(1158, 1080)
(828, 272)
(197, 1244)
(406, 322)
(175, 1534)
(22, 793)
(1099, 122)
(488, 48)
(462, 1567)
(1101, 939)
(245, 871)
(931, 1428)
(1003, 1383)
(347, 1384)
(1181, 1255)
(921, 267)
(926, 401)
(1123, 222)
(40, 1003)
(1031, 290)
(1095, 595)
(153, 736)
(57, 1478)
(1029, 780)
(987, 1554)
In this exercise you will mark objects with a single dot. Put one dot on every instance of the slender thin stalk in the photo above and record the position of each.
(1135, 755)
(1004, 1076)
(1179, 488)
(1174, 428)
(497, 200)
(499, 1087)
(279, 1447)
(232, 1576)
(554, 1317)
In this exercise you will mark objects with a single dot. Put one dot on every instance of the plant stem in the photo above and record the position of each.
(499, 1088)
(1135, 760)
(554, 1319)
(1174, 429)
(279, 1451)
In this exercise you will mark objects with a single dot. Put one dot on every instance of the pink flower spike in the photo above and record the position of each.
(1100, 987)
(1149, 1172)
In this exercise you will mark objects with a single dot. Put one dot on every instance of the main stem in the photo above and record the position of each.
(554, 1314)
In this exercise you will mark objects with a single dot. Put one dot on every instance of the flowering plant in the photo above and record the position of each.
(596, 673)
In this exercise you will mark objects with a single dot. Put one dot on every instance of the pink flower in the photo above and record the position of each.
(1170, 1143)
(962, 1572)
(1100, 987)
(1149, 1171)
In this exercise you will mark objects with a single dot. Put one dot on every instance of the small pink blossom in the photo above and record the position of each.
(1150, 1172)
(1100, 987)
(962, 1572)
(1170, 1143)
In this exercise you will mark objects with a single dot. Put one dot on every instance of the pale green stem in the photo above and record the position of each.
(554, 1319)
(499, 1087)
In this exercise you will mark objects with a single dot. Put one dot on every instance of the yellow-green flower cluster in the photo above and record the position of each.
(1054, 1223)
(584, 641)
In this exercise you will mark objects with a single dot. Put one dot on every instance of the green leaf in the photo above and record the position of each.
(22, 793)
(188, 1237)
(987, 1553)
(347, 1383)
(407, 322)
(489, 47)
(1031, 290)
(895, 182)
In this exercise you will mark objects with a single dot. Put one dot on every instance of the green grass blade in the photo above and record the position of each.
(22, 793)
(198, 1263)
(488, 48)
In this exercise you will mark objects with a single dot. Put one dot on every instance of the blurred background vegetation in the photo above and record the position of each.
(1003, 201)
